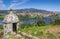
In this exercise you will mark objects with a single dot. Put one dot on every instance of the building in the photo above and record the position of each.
(11, 23)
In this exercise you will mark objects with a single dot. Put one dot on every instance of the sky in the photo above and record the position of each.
(50, 5)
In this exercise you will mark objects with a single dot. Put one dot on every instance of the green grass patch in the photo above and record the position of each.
(38, 30)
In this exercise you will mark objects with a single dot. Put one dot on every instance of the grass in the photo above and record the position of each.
(39, 31)
(1, 16)
(1, 28)
(36, 28)
(50, 35)
(58, 32)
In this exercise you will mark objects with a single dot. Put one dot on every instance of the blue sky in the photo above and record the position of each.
(50, 5)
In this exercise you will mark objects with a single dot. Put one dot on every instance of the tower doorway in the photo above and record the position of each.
(15, 27)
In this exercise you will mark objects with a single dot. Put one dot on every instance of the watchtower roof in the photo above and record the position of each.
(11, 17)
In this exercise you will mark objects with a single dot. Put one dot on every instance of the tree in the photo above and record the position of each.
(41, 23)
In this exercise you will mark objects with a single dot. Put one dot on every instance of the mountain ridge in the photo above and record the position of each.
(27, 10)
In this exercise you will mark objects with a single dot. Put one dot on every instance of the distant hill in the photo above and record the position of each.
(30, 10)
(3, 11)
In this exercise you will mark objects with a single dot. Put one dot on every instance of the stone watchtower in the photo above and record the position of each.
(11, 22)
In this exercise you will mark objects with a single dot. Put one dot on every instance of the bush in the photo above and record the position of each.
(41, 23)
(27, 25)
(1, 27)
(56, 22)
(40, 33)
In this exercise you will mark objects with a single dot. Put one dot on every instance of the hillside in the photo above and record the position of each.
(30, 10)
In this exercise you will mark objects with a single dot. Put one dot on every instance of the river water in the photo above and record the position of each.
(1, 21)
(47, 20)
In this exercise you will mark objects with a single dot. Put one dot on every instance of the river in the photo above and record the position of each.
(47, 20)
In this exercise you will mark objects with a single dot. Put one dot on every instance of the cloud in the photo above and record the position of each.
(13, 4)
(16, 3)
(2, 5)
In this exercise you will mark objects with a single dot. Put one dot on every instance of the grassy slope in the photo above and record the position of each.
(44, 32)
(1, 28)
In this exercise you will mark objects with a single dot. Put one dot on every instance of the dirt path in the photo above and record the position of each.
(55, 31)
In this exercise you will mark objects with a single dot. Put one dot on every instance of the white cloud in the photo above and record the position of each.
(15, 3)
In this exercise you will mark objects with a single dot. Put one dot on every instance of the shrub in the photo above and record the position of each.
(1, 27)
(41, 23)
(56, 22)
(40, 33)
(28, 25)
